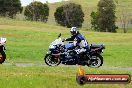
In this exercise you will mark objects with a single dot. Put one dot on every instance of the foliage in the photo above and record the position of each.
(106, 16)
(60, 16)
(94, 21)
(37, 11)
(9, 8)
(69, 15)
(125, 11)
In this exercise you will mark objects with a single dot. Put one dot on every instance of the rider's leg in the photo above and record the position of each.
(79, 51)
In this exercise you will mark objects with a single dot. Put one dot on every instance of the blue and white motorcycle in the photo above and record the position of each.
(66, 54)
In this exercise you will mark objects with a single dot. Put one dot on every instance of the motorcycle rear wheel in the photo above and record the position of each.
(95, 61)
(2, 57)
(52, 61)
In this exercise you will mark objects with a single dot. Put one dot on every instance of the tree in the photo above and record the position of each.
(37, 11)
(125, 14)
(60, 16)
(94, 21)
(69, 15)
(10, 7)
(106, 16)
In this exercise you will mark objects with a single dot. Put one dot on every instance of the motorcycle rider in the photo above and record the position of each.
(79, 40)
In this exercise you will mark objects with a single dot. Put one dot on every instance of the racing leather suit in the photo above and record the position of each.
(79, 40)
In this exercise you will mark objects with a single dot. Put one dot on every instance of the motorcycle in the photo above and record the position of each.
(2, 49)
(67, 55)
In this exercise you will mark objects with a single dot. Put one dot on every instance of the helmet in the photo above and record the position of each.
(73, 31)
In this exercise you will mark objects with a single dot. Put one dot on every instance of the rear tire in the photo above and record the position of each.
(95, 61)
(2, 57)
(51, 61)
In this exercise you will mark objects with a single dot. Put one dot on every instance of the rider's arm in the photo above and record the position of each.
(77, 41)
(70, 39)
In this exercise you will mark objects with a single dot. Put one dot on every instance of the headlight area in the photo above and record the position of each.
(52, 47)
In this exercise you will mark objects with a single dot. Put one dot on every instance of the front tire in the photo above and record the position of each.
(2, 57)
(52, 61)
(95, 61)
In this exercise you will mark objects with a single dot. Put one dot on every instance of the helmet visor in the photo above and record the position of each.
(73, 32)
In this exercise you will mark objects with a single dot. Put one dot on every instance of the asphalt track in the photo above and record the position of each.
(61, 65)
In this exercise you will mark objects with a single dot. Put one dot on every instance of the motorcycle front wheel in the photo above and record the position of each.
(95, 61)
(51, 60)
(2, 57)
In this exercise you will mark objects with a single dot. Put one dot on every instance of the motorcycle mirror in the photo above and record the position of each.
(59, 35)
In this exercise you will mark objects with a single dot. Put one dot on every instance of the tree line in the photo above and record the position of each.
(68, 15)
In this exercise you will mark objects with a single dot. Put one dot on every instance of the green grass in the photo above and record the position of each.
(47, 77)
(28, 42)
